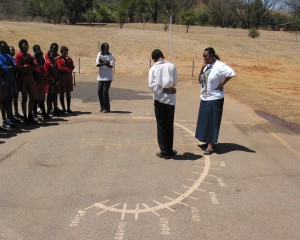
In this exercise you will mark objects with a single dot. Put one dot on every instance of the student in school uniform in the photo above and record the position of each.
(26, 65)
(52, 83)
(65, 67)
(17, 115)
(54, 49)
(1, 98)
(8, 66)
(39, 85)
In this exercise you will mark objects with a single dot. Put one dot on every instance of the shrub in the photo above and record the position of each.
(166, 26)
(254, 33)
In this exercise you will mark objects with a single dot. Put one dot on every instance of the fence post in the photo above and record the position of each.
(114, 66)
(74, 78)
(193, 69)
(79, 65)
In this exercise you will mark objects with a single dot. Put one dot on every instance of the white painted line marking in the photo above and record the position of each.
(207, 182)
(192, 180)
(211, 175)
(181, 197)
(123, 211)
(218, 169)
(88, 208)
(107, 208)
(151, 210)
(186, 186)
(200, 190)
(178, 202)
(137, 212)
(166, 207)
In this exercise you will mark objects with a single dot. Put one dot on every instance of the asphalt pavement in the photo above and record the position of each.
(95, 175)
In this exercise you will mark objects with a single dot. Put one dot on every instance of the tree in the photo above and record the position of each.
(294, 5)
(76, 8)
(121, 17)
(202, 16)
(187, 18)
(273, 20)
(222, 13)
(174, 7)
(90, 16)
(252, 13)
(152, 8)
(103, 14)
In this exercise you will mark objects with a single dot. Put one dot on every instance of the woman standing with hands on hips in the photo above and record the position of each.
(105, 63)
(212, 78)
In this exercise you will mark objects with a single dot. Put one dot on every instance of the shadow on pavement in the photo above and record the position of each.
(293, 128)
(223, 148)
(121, 112)
(187, 156)
(76, 113)
(88, 92)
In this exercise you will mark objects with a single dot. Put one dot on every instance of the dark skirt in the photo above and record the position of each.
(209, 121)
(10, 87)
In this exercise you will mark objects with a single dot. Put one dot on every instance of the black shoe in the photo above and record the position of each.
(2, 129)
(31, 120)
(56, 112)
(166, 156)
(69, 111)
(18, 116)
(46, 116)
(15, 120)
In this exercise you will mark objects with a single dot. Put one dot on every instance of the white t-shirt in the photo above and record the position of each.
(219, 71)
(163, 75)
(105, 73)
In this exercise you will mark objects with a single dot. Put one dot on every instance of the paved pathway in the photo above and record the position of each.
(95, 176)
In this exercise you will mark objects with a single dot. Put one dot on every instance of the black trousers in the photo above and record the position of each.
(103, 94)
(164, 114)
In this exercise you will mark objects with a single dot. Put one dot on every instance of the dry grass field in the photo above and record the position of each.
(267, 68)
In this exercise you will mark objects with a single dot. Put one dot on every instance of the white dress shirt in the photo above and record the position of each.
(105, 73)
(163, 75)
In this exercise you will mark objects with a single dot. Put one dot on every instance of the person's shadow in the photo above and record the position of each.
(186, 156)
(223, 148)
(121, 112)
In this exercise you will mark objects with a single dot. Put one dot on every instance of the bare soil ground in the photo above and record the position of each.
(267, 68)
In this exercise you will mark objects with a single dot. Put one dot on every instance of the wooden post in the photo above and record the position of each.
(79, 65)
(193, 69)
(74, 78)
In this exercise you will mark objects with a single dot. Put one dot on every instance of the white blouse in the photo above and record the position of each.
(218, 73)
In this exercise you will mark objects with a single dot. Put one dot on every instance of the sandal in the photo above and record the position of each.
(208, 151)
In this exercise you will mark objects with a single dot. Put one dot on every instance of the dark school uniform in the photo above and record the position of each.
(39, 81)
(10, 87)
(65, 68)
(25, 62)
(52, 81)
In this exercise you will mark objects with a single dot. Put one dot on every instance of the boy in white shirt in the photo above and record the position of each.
(162, 80)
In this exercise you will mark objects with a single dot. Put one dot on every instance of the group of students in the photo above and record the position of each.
(39, 78)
